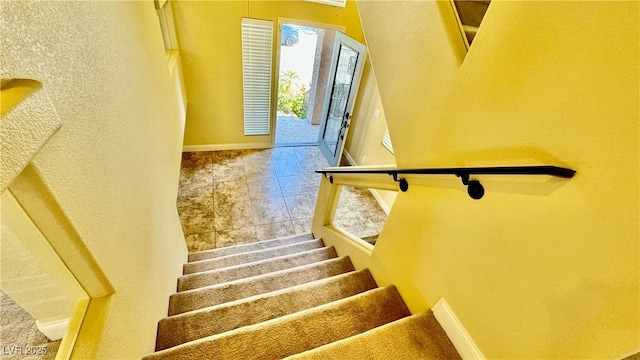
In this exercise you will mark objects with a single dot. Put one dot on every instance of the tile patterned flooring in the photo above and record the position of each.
(239, 196)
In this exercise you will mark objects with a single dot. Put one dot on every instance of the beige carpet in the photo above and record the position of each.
(291, 297)
(217, 294)
(18, 331)
(193, 325)
(415, 337)
(230, 260)
(206, 278)
(259, 245)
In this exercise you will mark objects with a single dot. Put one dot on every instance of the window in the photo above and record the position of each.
(257, 46)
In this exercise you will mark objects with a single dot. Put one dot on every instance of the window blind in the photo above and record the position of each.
(338, 3)
(165, 15)
(386, 141)
(257, 45)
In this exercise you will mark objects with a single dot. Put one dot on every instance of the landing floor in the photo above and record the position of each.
(238, 196)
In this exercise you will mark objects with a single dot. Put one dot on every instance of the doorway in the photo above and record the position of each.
(305, 55)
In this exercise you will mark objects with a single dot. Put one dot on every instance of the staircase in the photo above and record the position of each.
(290, 297)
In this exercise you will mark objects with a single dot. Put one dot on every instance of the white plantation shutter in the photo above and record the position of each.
(165, 15)
(386, 141)
(338, 3)
(257, 45)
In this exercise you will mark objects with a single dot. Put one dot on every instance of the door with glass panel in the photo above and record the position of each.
(344, 77)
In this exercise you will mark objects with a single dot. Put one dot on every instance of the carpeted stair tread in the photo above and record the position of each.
(246, 257)
(189, 326)
(217, 294)
(259, 245)
(218, 276)
(416, 337)
(298, 332)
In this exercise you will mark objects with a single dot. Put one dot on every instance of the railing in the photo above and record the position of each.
(474, 188)
(388, 177)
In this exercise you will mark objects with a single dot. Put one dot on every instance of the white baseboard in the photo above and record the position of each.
(383, 204)
(456, 332)
(53, 330)
(349, 158)
(217, 147)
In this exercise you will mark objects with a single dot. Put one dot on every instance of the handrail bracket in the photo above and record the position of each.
(474, 188)
(403, 184)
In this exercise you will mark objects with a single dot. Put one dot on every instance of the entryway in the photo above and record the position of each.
(300, 81)
(319, 73)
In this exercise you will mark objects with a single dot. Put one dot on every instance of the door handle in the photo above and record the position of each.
(345, 124)
(345, 121)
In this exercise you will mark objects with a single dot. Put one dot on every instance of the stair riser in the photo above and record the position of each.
(202, 279)
(190, 326)
(416, 337)
(278, 338)
(238, 259)
(237, 249)
(218, 294)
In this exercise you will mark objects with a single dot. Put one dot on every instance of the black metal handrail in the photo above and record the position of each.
(475, 189)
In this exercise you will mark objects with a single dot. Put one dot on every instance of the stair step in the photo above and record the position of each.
(217, 294)
(212, 277)
(259, 245)
(415, 337)
(242, 258)
(193, 325)
(298, 332)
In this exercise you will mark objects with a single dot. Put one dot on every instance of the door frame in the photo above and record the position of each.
(276, 62)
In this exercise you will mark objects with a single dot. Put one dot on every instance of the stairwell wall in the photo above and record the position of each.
(113, 166)
(539, 268)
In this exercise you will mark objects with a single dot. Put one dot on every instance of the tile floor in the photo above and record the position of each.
(239, 196)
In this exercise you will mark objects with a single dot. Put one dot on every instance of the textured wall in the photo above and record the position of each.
(113, 166)
(28, 122)
(31, 272)
(538, 268)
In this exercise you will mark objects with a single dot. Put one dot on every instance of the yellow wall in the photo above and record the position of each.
(113, 167)
(539, 268)
(210, 44)
(31, 273)
(364, 140)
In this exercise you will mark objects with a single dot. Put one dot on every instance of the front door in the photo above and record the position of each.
(345, 72)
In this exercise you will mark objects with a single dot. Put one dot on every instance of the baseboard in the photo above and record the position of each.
(218, 147)
(349, 158)
(53, 330)
(376, 194)
(456, 332)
